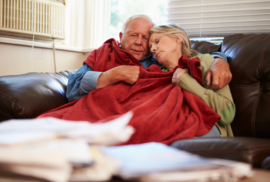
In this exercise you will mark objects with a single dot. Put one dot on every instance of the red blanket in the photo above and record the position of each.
(162, 111)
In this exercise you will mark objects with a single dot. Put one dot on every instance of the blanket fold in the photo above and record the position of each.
(162, 111)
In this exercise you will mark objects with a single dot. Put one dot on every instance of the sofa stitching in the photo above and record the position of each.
(230, 151)
(6, 114)
(263, 50)
(253, 117)
(257, 147)
(15, 103)
(262, 53)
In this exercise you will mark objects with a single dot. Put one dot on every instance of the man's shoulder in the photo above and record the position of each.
(148, 61)
(148, 58)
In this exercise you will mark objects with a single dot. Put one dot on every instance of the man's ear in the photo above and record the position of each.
(120, 35)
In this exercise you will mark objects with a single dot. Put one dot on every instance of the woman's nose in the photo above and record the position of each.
(153, 49)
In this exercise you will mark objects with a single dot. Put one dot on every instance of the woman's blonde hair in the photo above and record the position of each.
(175, 31)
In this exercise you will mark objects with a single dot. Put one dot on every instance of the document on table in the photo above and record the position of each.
(58, 150)
(158, 162)
(22, 131)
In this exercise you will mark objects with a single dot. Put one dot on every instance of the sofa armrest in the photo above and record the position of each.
(266, 163)
(243, 149)
(29, 95)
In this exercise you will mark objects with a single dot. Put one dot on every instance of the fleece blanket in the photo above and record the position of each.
(163, 112)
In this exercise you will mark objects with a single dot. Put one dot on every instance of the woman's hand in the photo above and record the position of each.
(179, 72)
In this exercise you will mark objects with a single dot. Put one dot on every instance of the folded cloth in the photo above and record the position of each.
(51, 165)
(58, 150)
(162, 111)
(19, 132)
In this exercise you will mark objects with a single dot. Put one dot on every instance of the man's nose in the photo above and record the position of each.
(139, 40)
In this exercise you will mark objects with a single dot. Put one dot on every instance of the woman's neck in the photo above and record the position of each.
(174, 61)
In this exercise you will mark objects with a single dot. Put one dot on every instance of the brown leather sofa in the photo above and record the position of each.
(28, 95)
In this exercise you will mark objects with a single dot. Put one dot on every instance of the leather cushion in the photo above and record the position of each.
(266, 163)
(29, 95)
(205, 47)
(248, 56)
(244, 149)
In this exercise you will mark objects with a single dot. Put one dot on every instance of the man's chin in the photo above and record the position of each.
(141, 56)
(138, 56)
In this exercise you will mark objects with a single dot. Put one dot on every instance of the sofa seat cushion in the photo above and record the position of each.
(243, 149)
(266, 163)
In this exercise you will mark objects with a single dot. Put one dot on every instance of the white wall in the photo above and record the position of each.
(17, 59)
(87, 27)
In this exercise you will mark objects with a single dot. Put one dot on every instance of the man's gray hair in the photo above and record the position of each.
(138, 16)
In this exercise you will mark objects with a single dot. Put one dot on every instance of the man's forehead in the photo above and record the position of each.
(139, 26)
(137, 31)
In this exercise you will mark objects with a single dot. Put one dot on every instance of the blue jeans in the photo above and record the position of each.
(214, 132)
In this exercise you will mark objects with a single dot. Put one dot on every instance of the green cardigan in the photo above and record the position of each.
(220, 100)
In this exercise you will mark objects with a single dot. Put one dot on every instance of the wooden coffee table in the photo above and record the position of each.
(258, 176)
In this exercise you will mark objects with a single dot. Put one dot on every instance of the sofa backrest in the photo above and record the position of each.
(249, 59)
(205, 47)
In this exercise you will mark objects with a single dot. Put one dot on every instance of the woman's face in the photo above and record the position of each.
(167, 50)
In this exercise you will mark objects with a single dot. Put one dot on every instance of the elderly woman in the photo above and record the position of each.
(168, 43)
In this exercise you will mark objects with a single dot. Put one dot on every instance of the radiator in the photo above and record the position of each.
(33, 17)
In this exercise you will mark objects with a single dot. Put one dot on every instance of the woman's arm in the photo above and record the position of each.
(219, 100)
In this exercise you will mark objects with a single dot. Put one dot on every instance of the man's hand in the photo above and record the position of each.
(128, 74)
(179, 72)
(125, 73)
(219, 74)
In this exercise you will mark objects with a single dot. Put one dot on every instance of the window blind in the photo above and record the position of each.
(212, 18)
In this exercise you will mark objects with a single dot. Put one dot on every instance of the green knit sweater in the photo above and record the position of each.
(220, 100)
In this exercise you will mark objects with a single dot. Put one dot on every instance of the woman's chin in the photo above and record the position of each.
(163, 62)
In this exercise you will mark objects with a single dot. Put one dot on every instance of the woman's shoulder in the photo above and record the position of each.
(205, 57)
(206, 61)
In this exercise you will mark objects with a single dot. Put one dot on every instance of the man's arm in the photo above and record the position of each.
(125, 73)
(81, 82)
(220, 55)
(85, 79)
(219, 73)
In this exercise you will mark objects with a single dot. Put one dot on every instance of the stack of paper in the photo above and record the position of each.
(158, 162)
(59, 150)
(16, 132)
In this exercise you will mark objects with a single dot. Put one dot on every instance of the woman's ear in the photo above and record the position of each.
(178, 40)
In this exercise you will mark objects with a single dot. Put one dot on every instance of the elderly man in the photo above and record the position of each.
(134, 39)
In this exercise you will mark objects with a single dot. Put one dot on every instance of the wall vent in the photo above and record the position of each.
(33, 17)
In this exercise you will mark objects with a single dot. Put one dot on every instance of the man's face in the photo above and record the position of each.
(135, 38)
